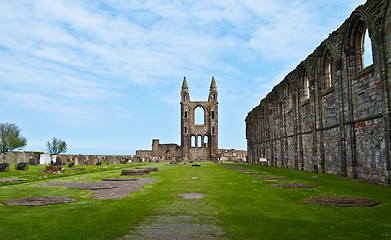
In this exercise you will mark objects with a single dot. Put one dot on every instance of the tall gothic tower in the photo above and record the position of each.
(199, 139)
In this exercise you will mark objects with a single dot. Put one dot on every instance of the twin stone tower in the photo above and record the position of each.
(199, 139)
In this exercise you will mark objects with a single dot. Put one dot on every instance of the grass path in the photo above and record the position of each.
(234, 207)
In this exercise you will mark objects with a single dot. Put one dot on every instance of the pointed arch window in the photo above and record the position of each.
(305, 87)
(359, 44)
(367, 48)
(326, 68)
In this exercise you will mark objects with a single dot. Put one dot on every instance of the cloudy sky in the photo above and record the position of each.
(105, 75)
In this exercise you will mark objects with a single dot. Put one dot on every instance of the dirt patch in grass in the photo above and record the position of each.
(293, 185)
(270, 178)
(191, 195)
(257, 173)
(12, 180)
(120, 179)
(39, 201)
(106, 189)
(341, 201)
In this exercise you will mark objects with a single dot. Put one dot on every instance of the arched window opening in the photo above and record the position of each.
(193, 141)
(185, 114)
(367, 48)
(184, 97)
(185, 129)
(306, 88)
(213, 97)
(213, 129)
(206, 141)
(199, 116)
(213, 114)
(327, 71)
(199, 141)
(359, 45)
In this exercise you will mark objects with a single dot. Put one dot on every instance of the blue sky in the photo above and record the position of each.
(105, 76)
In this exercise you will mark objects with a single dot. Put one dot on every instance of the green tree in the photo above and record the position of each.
(10, 137)
(57, 146)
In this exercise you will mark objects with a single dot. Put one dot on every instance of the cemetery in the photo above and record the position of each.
(213, 201)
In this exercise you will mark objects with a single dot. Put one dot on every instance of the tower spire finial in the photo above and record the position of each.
(213, 84)
(184, 84)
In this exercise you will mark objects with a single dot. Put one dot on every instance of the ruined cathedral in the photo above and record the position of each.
(332, 113)
(199, 140)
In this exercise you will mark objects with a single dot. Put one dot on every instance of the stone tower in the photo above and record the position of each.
(199, 140)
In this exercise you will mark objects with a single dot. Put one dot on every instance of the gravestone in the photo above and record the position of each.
(20, 157)
(9, 157)
(135, 172)
(21, 166)
(33, 161)
(71, 164)
(4, 167)
(53, 169)
(44, 159)
(58, 161)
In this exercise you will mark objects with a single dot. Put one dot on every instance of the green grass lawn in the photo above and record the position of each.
(245, 208)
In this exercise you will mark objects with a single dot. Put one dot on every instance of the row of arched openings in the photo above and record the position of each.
(359, 53)
(199, 141)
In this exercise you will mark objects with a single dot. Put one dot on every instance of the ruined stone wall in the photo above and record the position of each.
(232, 155)
(160, 152)
(332, 114)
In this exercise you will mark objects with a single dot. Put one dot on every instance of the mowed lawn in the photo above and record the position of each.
(243, 207)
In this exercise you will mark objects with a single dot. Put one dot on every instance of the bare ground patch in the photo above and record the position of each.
(293, 185)
(191, 195)
(39, 201)
(106, 189)
(270, 178)
(341, 201)
(12, 180)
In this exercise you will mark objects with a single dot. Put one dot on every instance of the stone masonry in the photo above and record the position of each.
(332, 114)
(199, 140)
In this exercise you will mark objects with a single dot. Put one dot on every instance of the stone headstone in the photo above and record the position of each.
(4, 167)
(22, 166)
(33, 161)
(58, 161)
(20, 157)
(44, 159)
(71, 164)
(9, 157)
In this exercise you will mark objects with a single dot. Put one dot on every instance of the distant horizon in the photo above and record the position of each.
(105, 76)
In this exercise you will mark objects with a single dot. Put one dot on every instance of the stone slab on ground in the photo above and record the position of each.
(12, 180)
(176, 227)
(252, 173)
(135, 172)
(181, 220)
(293, 185)
(342, 201)
(119, 179)
(39, 201)
(270, 178)
(105, 189)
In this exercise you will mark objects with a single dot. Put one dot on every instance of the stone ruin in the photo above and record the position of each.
(331, 114)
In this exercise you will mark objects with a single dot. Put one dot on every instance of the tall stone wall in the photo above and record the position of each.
(332, 114)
